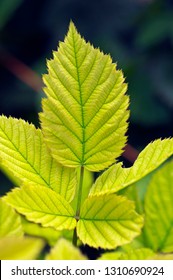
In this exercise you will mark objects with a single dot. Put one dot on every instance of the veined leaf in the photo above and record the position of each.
(117, 177)
(24, 154)
(17, 248)
(108, 221)
(10, 223)
(42, 205)
(84, 118)
(134, 254)
(158, 230)
(64, 250)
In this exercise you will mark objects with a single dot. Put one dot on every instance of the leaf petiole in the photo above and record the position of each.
(79, 199)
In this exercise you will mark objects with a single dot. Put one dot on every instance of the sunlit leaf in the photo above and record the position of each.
(64, 250)
(158, 228)
(42, 205)
(84, 117)
(24, 154)
(20, 248)
(117, 177)
(10, 222)
(108, 221)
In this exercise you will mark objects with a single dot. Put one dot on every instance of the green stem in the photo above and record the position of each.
(79, 199)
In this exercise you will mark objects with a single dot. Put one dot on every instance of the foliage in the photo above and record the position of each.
(83, 128)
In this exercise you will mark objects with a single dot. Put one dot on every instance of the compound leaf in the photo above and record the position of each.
(85, 114)
(24, 154)
(42, 205)
(108, 221)
(158, 230)
(64, 250)
(20, 248)
(116, 177)
(10, 222)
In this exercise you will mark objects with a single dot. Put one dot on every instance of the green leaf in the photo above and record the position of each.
(49, 234)
(134, 254)
(24, 154)
(108, 221)
(116, 178)
(64, 250)
(42, 205)
(10, 223)
(25, 248)
(158, 207)
(162, 257)
(84, 117)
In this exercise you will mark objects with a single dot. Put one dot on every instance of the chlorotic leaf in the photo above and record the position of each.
(108, 221)
(158, 230)
(134, 254)
(85, 114)
(20, 248)
(10, 222)
(24, 154)
(42, 205)
(64, 250)
(116, 177)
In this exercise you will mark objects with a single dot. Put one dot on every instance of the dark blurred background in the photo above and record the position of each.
(137, 33)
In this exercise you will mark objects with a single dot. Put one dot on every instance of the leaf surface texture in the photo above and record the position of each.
(85, 114)
(116, 177)
(158, 206)
(24, 154)
(42, 205)
(108, 221)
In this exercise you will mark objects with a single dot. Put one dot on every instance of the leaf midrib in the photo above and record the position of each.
(81, 101)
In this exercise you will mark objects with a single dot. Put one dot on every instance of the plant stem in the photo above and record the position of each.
(79, 199)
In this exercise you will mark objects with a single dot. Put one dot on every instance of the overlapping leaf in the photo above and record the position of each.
(49, 234)
(42, 205)
(108, 221)
(84, 118)
(158, 230)
(20, 248)
(133, 254)
(64, 250)
(117, 177)
(24, 154)
(10, 222)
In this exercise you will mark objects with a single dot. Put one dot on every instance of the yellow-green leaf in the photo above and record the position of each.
(17, 248)
(49, 234)
(85, 114)
(10, 222)
(24, 154)
(162, 257)
(64, 250)
(108, 221)
(134, 254)
(117, 177)
(158, 230)
(42, 205)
